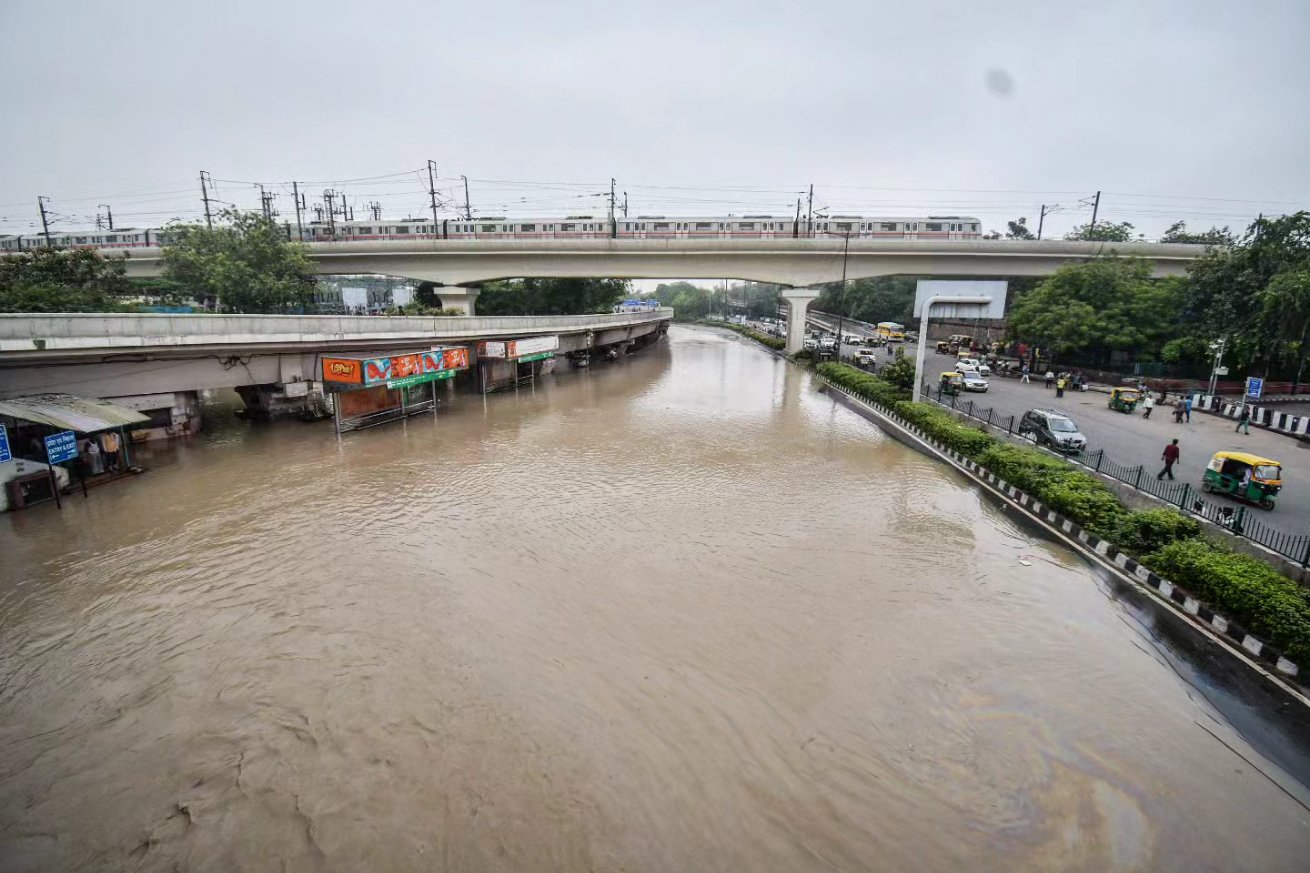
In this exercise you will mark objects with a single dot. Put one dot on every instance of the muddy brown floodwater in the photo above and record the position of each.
(680, 613)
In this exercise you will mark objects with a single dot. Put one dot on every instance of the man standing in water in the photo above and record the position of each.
(1170, 457)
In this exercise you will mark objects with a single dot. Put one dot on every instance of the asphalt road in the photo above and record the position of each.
(1130, 440)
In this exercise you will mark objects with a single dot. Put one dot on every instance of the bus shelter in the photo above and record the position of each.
(367, 391)
(508, 363)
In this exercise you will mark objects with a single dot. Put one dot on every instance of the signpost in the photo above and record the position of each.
(955, 299)
(5, 454)
(59, 447)
(1254, 386)
(410, 381)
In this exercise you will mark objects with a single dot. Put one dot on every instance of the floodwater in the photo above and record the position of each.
(678, 613)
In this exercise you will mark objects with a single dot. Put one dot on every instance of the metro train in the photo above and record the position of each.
(569, 227)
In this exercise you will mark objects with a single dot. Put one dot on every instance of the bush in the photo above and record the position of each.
(763, 338)
(1266, 602)
(1074, 494)
(939, 424)
(862, 383)
(1148, 530)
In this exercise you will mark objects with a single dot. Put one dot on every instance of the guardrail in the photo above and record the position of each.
(1187, 497)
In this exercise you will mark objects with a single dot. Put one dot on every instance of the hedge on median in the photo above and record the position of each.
(1241, 587)
(772, 342)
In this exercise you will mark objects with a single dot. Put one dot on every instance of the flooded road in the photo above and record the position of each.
(677, 613)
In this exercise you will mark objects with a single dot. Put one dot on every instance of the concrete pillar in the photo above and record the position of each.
(458, 297)
(275, 402)
(798, 303)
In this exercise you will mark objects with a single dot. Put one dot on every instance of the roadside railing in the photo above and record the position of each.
(1184, 495)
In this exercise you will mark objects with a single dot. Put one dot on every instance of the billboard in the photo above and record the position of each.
(535, 345)
(456, 358)
(491, 349)
(993, 290)
(342, 370)
(404, 366)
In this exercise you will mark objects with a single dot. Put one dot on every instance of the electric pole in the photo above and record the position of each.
(1096, 207)
(468, 213)
(45, 224)
(1040, 221)
(266, 203)
(796, 225)
(625, 204)
(109, 213)
(809, 214)
(204, 195)
(300, 205)
(329, 197)
(375, 208)
(432, 192)
(614, 225)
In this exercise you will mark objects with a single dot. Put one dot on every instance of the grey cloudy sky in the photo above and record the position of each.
(885, 107)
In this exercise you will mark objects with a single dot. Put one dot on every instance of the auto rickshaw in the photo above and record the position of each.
(951, 383)
(1124, 399)
(944, 348)
(1246, 477)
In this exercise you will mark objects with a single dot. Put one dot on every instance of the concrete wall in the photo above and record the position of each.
(785, 261)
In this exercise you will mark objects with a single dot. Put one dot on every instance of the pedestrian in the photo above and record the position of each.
(1059, 386)
(1024, 376)
(95, 462)
(1050, 378)
(109, 446)
(1178, 411)
(1170, 458)
(1187, 407)
(1244, 421)
(1148, 403)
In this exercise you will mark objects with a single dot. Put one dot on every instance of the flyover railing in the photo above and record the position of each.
(1186, 496)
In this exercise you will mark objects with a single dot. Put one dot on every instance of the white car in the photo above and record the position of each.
(866, 356)
(973, 381)
(966, 364)
(811, 343)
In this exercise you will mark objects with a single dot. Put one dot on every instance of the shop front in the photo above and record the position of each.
(374, 390)
(509, 363)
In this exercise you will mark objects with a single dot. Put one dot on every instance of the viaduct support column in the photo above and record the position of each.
(458, 297)
(798, 303)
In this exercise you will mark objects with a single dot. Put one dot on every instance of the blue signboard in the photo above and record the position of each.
(1254, 386)
(5, 454)
(60, 447)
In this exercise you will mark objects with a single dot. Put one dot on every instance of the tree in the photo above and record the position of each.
(1098, 307)
(245, 263)
(1104, 231)
(62, 280)
(551, 296)
(1019, 230)
(1177, 233)
(883, 298)
(900, 372)
(1287, 305)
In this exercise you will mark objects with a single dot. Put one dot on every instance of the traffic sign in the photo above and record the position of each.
(1254, 386)
(1221, 371)
(60, 447)
(5, 454)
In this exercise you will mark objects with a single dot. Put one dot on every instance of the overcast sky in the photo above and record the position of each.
(1188, 109)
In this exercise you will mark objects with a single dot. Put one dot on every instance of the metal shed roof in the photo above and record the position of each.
(70, 412)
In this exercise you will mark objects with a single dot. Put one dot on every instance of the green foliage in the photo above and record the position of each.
(1074, 494)
(970, 441)
(1177, 233)
(62, 280)
(1148, 530)
(763, 338)
(420, 309)
(864, 384)
(1266, 602)
(900, 372)
(1104, 231)
(1103, 305)
(885, 298)
(244, 262)
(1019, 230)
(572, 296)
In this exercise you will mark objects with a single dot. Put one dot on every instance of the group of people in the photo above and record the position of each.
(1061, 381)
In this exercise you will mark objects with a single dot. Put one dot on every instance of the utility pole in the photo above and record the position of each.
(841, 307)
(432, 192)
(300, 204)
(1096, 207)
(1041, 221)
(329, 197)
(318, 213)
(625, 204)
(375, 208)
(109, 215)
(809, 215)
(614, 225)
(45, 223)
(468, 213)
(204, 195)
(796, 225)
(266, 203)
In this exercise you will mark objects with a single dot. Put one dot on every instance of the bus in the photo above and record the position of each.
(891, 331)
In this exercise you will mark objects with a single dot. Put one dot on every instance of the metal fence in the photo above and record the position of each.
(1235, 518)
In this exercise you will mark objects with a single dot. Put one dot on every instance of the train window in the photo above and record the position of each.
(933, 225)
(527, 228)
(566, 227)
(400, 228)
(887, 226)
(364, 230)
(842, 225)
(488, 228)
(704, 225)
(81, 240)
(745, 225)
(660, 225)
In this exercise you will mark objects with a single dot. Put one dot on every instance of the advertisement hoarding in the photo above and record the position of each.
(491, 349)
(533, 345)
(456, 358)
(343, 370)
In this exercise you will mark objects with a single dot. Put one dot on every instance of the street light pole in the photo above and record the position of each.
(1218, 349)
(841, 305)
(923, 332)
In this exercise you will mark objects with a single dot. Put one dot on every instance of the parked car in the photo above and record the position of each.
(866, 356)
(973, 381)
(965, 364)
(1049, 427)
(811, 343)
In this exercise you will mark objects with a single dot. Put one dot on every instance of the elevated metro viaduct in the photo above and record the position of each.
(156, 363)
(458, 266)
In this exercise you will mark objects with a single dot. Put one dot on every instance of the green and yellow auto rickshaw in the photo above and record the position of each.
(951, 383)
(1246, 477)
(1124, 399)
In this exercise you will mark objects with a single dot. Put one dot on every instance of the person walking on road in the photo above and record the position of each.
(1244, 421)
(1187, 407)
(1170, 457)
(1050, 378)
(1059, 386)
(1148, 403)
(1024, 377)
(1178, 411)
